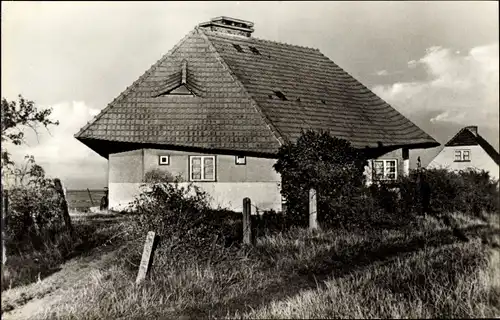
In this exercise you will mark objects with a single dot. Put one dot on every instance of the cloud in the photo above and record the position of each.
(412, 64)
(462, 89)
(56, 149)
(382, 73)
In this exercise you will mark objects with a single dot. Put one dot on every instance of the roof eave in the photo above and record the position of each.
(120, 146)
(418, 145)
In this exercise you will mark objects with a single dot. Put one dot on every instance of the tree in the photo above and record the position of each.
(32, 205)
(328, 164)
(16, 116)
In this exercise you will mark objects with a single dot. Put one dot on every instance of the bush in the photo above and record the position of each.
(174, 212)
(270, 222)
(335, 169)
(328, 164)
(468, 191)
(182, 216)
(34, 215)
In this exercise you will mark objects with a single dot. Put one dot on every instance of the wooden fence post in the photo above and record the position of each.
(247, 221)
(313, 219)
(406, 162)
(5, 213)
(90, 196)
(147, 257)
(64, 204)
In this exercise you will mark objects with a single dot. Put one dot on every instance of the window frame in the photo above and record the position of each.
(163, 163)
(461, 153)
(240, 164)
(384, 169)
(202, 159)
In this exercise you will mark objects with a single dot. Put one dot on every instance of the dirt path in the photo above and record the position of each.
(27, 301)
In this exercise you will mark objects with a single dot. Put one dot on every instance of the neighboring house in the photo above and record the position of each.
(217, 107)
(467, 149)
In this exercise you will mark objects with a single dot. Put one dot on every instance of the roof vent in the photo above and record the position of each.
(229, 25)
(254, 50)
(237, 47)
(280, 95)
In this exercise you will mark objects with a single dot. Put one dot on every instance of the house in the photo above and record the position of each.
(467, 149)
(216, 108)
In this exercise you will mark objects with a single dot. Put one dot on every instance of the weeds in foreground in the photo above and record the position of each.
(420, 272)
(24, 267)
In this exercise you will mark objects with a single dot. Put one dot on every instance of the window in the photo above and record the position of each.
(386, 169)
(237, 47)
(254, 50)
(241, 160)
(462, 155)
(202, 168)
(466, 155)
(164, 160)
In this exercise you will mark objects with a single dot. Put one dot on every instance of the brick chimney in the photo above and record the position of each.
(472, 129)
(229, 25)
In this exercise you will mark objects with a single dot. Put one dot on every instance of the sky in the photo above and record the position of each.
(435, 62)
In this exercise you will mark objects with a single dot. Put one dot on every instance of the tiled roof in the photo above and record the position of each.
(218, 116)
(249, 101)
(319, 94)
(466, 137)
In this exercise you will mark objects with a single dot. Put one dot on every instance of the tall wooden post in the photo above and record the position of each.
(313, 218)
(406, 162)
(90, 196)
(64, 204)
(5, 213)
(147, 257)
(247, 222)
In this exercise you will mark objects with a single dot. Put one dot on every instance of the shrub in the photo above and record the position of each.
(270, 222)
(173, 211)
(181, 215)
(328, 164)
(34, 216)
(480, 194)
(468, 191)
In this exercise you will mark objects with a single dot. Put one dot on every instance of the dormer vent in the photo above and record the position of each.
(229, 25)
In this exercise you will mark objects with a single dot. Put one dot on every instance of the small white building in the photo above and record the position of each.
(467, 149)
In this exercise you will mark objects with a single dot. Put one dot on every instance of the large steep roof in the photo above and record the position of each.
(249, 95)
(318, 93)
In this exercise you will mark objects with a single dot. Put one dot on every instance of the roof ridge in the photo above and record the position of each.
(488, 148)
(275, 132)
(267, 41)
(285, 44)
(141, 78)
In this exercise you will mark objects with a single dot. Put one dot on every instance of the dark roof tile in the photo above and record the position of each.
(235, 105)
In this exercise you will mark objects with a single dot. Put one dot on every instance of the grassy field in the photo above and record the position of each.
(423, 271)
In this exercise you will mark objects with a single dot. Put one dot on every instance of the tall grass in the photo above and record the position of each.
(27, 266)
(422, 271)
